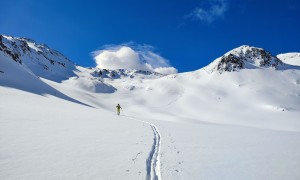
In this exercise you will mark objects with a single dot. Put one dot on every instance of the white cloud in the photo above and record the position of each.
(139, 57)
(215, 9)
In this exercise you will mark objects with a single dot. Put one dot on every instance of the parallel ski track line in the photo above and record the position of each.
(153, 160)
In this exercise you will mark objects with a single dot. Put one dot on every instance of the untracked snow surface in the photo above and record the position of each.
(196, 125)
(290, 58)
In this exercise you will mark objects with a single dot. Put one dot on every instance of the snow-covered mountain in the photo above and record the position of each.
(245, 57)
(39, 58)
(290, 58)
(239, 114)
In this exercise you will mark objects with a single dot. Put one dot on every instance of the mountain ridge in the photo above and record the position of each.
(39, 58)
(244, 57)
(53, 65)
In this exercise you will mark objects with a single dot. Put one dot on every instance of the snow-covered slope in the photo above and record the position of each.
(18, 76)
(39, 58)
(44, 137)
(290, 58)
(237, 118)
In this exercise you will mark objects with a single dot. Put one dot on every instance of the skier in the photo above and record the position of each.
(118, 109)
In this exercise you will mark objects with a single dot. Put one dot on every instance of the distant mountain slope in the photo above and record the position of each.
(290, 58)
(39, 58)
(42, 61)
(17, 76)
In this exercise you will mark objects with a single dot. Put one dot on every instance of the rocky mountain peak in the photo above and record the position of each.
(121, 73)
(245, 57)
(39, 58)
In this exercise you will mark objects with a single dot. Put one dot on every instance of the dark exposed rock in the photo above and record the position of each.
(14, 55)
(45, 67)
(246, 57)
(25, 46)
(118, 73)
(62, 64)
(230, 63)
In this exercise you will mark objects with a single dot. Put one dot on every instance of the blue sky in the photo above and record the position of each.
(188, 33)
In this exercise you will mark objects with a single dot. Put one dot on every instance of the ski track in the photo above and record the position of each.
(153, 160)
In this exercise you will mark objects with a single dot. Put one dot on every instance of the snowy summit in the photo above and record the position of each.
(245, 57)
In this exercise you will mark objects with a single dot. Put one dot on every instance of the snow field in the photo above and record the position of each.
(43, 137)
(63, 125)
